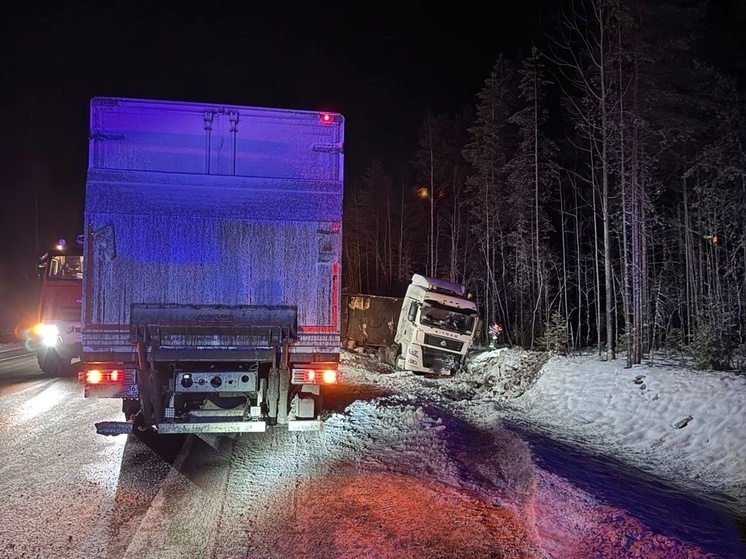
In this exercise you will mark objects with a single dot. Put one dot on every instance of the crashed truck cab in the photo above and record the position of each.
(437, 326)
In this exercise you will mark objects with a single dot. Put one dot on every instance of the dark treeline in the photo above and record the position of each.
(595, 196)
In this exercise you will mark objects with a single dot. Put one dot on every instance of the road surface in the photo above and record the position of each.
(386, 478)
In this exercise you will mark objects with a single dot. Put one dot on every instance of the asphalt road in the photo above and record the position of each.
(66, 491)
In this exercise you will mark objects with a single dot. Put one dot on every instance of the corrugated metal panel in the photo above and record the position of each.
(143, 193)
(194, 260)
(168, 221)
(174, 137)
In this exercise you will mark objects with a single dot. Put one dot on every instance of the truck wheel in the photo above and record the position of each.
(130, 408)
(146, 435)
(52, 364)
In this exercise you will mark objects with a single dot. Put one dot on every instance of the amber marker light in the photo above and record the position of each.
(329, 376)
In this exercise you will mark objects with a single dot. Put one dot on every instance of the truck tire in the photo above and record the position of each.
(52, 364)
(130, 408)
(389, 354)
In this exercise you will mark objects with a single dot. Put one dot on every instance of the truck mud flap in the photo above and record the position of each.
(114, 428)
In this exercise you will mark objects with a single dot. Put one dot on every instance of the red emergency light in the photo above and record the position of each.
(327, 118)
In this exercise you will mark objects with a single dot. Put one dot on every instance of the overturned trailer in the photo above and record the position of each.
(369, 321)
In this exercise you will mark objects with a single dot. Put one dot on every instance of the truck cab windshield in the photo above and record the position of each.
(65, 267)
(447, 318)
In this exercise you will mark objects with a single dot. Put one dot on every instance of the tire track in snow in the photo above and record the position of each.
(258, 512)
(182, 518)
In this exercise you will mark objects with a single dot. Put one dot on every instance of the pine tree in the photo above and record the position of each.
(532, 175)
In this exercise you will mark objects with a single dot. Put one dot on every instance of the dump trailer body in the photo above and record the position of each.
(212, 243)
(369, 321)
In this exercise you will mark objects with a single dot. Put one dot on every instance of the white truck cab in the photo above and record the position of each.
(437, 326)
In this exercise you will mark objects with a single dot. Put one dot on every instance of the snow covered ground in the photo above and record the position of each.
(684, 426)
(407, 467)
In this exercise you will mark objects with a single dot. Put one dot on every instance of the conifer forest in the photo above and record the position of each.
(594, 196)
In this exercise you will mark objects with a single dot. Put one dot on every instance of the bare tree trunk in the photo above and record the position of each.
(563, 281)
(579, 267)
(536, 232)
(400, 273)
(626, 219)
(609, 280)
(431, 193)
(691, 305)
(596, 252)
(453, 272)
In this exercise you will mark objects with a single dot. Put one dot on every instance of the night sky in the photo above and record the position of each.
(378, 66)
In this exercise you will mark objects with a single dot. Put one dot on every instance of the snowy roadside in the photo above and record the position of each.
(8, 339)
(684, 426)
(12, 349)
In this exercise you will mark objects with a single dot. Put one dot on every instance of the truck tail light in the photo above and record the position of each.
(104, 376)
(315, 376)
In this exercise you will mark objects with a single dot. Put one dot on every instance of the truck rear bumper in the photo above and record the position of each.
(127, 428)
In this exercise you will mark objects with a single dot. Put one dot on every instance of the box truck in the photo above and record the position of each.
(211, 281)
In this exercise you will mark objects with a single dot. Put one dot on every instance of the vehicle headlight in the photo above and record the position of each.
(49, 334)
